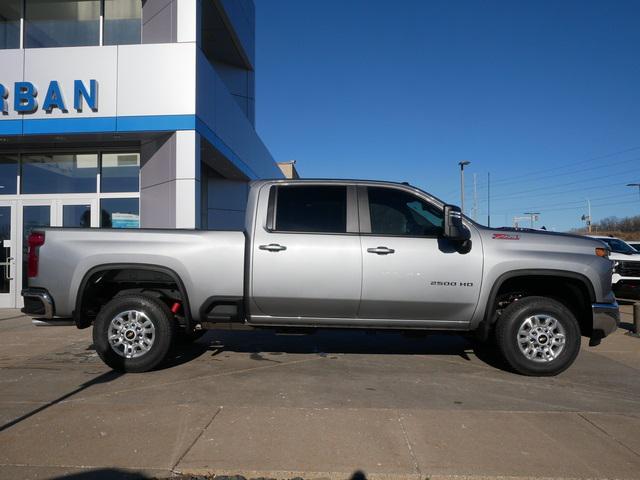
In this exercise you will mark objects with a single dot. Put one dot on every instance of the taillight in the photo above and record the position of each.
(35, 241)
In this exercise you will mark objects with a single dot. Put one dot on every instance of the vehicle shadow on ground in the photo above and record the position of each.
(104, 474)
(117, 474)
(103, 378)
(327, 342)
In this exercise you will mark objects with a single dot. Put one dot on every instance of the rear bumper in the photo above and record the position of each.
(38, 303)
(606, 317)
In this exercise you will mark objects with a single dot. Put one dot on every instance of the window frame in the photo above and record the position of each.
(352, 221)
(365, 212)
(101, 29)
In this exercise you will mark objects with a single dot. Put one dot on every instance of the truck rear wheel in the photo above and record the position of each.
(538, 336)
(133, 333)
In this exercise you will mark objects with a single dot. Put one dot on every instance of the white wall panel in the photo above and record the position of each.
(10, 72)
(187, 20)
(157, 79)
(187, 157)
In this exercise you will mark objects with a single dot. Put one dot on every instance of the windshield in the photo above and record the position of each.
(618, 246)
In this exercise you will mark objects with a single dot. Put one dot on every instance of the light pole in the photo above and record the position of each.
(488, 199)
(634, 185)
(462, 164)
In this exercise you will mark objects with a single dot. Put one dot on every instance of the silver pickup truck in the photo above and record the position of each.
(328, 254)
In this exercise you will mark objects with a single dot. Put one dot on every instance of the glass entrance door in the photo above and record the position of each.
(7, 256)
(33, 217)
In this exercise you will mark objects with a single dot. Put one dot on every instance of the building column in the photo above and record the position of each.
(170, 181)
(188, 167)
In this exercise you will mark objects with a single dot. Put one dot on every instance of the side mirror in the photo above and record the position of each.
(454, 229)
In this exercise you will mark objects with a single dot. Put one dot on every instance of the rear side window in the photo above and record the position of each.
(311, 208)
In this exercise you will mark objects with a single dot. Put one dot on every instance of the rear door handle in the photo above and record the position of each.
(272, 247)
(381, 250)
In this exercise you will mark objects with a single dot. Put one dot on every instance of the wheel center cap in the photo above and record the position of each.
(543, 339)
(130, 335)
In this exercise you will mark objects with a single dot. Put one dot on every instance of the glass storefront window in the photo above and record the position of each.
(120, 172)
(61, 23)
(10, 23)
(76, 216)
(122, 22)
(53, 173)
(120, 213)
(8, 174)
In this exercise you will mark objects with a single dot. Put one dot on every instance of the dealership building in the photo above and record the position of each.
(124, 114)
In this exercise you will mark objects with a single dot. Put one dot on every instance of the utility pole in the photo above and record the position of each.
(488, 199)
(475, 197)
(587, 218)
(533, 216)
(462, 164)
(634, 185)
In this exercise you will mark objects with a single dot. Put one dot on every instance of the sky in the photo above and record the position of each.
(543, 95)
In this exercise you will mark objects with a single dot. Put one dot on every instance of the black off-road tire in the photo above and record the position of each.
(159, 315)
(512, 319)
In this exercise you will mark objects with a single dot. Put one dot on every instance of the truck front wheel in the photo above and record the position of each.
(133, 333)
(538, 336)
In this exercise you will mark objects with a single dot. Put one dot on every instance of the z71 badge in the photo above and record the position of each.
(505, 236)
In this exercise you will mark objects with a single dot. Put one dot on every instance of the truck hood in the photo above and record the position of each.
(634, 257)
(524, 238)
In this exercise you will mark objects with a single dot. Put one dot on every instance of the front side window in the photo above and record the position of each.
(122, 22)
(59, 173)
(311, 208)
(62, 23)
(10, 23)
(396, 212)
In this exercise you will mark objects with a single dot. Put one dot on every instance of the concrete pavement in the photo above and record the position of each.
(322, 406)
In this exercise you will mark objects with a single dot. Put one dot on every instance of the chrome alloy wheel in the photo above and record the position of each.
(541, 338)
(131, 334)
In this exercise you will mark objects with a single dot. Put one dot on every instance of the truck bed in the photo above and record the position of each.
(207, 262)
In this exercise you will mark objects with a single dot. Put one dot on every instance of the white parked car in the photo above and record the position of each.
(635, 244)
(626, 267)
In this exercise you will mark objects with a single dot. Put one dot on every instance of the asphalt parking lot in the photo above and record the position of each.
(321, 406)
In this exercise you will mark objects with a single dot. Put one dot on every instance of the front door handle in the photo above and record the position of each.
(272, 247)
(381, 250)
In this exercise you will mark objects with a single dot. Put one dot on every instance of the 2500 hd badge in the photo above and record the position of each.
(436, 283)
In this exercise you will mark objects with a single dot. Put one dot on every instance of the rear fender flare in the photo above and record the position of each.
(84, 323)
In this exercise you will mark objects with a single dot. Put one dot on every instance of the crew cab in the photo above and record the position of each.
(328, 254)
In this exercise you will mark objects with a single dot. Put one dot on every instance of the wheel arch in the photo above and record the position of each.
(82, 322)
(489, 316)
